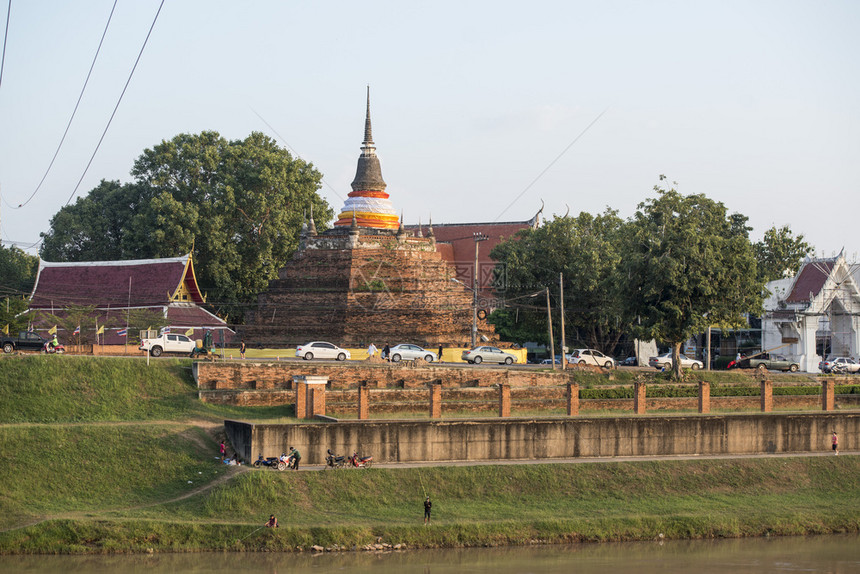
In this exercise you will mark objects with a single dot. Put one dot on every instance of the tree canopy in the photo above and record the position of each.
(779, 254)
(687, 264)
(584, 249)
(237, 205)
(17, 276)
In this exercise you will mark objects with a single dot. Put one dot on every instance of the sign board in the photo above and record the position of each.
(790, 339)
(149, 334)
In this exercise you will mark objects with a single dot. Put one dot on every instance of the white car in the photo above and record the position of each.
(167, 343)
(664, 361)
(590, 357)
(839, 365)
(488, 355)
(321, 350)
(407, 352)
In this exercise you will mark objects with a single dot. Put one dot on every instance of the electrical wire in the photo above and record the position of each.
(80, 97)
(104, 133)
(5, 37)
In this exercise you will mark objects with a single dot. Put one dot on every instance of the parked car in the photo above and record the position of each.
(549, 361)
(591, 357)
(321, 350)
(25, 341)
(488, 355)
(629, 362)
(839, 365)
(664, 361)
(408, 352)
(773, 363)
(167, 343)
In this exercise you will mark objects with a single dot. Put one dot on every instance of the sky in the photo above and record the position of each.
(481, 110)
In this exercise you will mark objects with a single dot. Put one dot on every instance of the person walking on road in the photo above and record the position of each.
(834, 440)
(242, 349)
(440, 352)
(371, 350)
(427, 506)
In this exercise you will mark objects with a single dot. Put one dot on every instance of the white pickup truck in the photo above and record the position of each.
(167, 343)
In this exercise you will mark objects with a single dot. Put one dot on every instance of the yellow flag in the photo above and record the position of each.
(101, 330)
(52, 330)
(189, 332)
(6, 329)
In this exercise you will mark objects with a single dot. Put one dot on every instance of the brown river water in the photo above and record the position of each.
(817, 554)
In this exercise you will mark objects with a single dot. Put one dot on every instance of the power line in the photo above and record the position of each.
(69, 125)
(5, 37)
(104, 133)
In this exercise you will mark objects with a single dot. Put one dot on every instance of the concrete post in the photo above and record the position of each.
(363, 402)
(572, 399)
(504, 401)
(436, 401)
(307, 405)
(828, 395)
(704, 397)
(766, 396)
(639, 398)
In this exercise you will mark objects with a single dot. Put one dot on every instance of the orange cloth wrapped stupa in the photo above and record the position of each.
(368, 200)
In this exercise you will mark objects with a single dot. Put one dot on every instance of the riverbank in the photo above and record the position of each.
(112, 456)
(473, 506)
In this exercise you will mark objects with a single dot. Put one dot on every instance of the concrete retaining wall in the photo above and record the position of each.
(513, 439)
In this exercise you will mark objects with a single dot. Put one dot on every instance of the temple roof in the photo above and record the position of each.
(112, 284)
(810, 281)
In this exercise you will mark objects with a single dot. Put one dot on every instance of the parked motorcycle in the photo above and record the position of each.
(334, 461)
(360, 461)
(51, 349)
(273, 462)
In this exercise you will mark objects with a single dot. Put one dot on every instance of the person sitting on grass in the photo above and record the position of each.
(272, 522)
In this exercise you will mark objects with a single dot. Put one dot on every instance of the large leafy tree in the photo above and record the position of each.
(780, 253)
(238, 205)
(17, 276)
(584, 251)
(687, 264)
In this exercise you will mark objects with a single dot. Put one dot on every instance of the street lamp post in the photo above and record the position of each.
(478, 238)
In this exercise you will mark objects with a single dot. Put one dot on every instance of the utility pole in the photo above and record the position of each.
(561, 303)
(478, 238)
(549, 324)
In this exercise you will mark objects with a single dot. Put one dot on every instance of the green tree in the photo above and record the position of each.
(238, 205)
(584, 250)
(779, 254)
(686, 264)
(17, 276)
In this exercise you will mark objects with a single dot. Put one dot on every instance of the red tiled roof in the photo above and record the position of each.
(461, 239)
(811, 279)
(139, 283)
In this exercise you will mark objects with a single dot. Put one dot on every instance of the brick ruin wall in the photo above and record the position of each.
(382, 290)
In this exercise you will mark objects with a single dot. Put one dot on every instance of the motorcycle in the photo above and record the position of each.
(360, 461)
(273, 462)
(51, 349)
(334, 461)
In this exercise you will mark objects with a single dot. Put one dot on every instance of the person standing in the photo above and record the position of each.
(386, 351)
(440, 352)
(427, 506)
(242, 349)
(834, 441)
(223, 450)
(296, 456)
(371, 350)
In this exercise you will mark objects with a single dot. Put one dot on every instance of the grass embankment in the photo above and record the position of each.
(108, 455)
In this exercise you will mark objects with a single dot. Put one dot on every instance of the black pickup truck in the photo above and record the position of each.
(25, 341)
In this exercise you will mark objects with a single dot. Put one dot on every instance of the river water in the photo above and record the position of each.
(833, 554)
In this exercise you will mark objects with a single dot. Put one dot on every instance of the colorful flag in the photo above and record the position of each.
(189, 332)
(165, 330)
(77, 330)
(101, 330)
(122, 332)
(52, 330)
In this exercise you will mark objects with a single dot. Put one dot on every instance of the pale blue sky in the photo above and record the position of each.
(753, 103)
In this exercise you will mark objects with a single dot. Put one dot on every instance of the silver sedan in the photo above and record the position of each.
(407, 352)
(488, 355)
